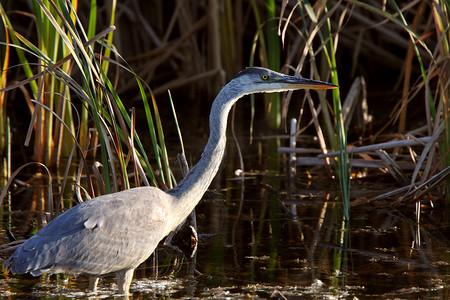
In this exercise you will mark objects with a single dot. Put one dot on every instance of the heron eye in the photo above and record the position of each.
(264, 76)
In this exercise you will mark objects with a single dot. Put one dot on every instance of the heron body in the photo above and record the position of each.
(115, 233)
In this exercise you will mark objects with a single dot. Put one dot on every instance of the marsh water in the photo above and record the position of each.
(274, 234)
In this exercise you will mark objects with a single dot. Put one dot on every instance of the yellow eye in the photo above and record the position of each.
(264, 76)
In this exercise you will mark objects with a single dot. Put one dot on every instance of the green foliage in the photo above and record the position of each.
(67, 71)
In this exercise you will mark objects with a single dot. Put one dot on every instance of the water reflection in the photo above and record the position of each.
(309, 247)
(258, 240)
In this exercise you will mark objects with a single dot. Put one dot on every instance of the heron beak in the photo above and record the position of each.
(303, 83)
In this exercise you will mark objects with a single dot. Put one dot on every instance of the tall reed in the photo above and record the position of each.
(428, 49)
(269, 55)
(316, 21)
(3, 80)
(72, 74)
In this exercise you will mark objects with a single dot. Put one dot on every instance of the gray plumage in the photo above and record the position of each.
(117, 232)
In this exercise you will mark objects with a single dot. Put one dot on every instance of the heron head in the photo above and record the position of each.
(254, 80)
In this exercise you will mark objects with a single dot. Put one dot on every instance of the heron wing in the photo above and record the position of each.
(103, 235)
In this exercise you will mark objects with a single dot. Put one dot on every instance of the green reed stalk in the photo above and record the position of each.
(273, 100)
(343, 161)
(227, 37)
(180, 137)
(52, 46)
(162, 146)
(307, 14)
(336, 132)
(270, 57)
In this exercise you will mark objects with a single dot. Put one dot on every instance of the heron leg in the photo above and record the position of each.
(124, 278)
(93, 281)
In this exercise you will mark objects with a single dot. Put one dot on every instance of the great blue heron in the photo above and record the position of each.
(117, 232)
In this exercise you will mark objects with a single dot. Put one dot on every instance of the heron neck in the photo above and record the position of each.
(190, 190)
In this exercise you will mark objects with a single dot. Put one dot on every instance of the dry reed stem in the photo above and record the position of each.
(356, 163)
(384, 146)
(10, 247)
(394, 168)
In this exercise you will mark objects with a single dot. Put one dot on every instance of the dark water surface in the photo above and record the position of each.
(270, 237)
